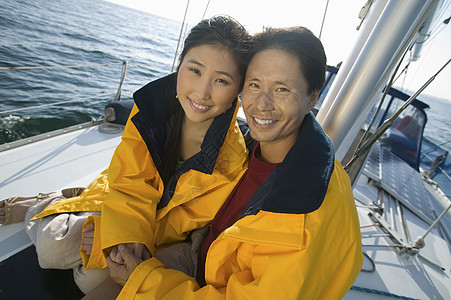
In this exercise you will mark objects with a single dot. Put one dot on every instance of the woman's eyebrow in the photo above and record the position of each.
(193, 61)
(225, 74)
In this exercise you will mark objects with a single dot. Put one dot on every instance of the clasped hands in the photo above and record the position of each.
(123, 258)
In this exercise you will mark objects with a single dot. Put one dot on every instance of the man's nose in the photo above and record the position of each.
(265, 101)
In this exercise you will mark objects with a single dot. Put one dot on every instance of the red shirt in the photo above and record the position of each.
(232, 208)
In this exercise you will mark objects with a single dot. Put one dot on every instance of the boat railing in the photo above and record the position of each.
(116, 97)
(43, 136)
(80, 99)
(436, 165)
(102, 119)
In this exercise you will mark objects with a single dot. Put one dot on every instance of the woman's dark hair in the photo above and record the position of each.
(224, 32)
(302, 44)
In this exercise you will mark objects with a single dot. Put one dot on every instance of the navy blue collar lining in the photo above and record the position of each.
(299, 184)
(157, 100)
(158, 114)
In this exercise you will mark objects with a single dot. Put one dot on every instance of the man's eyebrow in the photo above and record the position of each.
(252, 79)
(282, 83)
(276, 82)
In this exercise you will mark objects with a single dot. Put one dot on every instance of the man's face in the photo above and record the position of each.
(275, 98)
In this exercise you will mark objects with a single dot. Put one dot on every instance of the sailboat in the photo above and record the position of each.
(404, 216)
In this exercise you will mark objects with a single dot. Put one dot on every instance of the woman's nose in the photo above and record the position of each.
(204, 89)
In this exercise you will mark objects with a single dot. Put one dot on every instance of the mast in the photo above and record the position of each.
(368, 24)
(344, 112)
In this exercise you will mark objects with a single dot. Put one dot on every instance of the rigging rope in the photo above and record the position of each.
(58, 67)
(437, 146)
(388, 123)
(181, 31)
(324, 18)
(51, 104)
(61, 67)
(387, 88)
(205, 11)
(373, 265)
(419, 242)
(180, 37)
(434, 32)
(378, 292)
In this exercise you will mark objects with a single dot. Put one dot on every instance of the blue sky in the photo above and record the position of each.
(338, 35)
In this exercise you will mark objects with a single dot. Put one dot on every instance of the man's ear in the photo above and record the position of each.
(313, 99)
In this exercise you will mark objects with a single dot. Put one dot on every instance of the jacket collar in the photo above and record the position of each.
(299, 184)
(157, 104)
(157, 100)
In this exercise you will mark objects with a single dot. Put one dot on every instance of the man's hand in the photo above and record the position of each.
(138, 250)
(121, 272)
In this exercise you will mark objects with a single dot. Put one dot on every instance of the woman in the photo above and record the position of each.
(181, 153)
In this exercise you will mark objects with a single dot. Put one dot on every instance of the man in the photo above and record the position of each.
(289, 230)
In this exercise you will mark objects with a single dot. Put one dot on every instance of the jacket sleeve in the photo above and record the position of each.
(282, 273)
(128, 212)
(269, 256)
(96, 259)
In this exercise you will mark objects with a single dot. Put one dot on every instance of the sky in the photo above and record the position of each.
(338, 31)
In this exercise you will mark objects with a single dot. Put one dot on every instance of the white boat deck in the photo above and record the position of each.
(73, 159)
(391, 268)
(76, 158)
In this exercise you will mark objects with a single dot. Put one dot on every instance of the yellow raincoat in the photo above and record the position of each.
(297, 238)
(131, 188)
(138, 207)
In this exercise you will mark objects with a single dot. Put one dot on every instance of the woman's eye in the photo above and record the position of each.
(195, 71)
(222, 81)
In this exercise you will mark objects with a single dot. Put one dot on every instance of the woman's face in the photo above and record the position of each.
(207, 83)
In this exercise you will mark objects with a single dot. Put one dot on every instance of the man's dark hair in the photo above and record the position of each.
(302, 44)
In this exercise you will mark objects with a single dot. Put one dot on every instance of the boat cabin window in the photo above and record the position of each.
(331, 73)
(405, 136)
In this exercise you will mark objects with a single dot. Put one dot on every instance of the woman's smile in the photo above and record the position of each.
(198, 107)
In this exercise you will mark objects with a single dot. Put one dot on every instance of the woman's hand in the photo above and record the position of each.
(87, 239)
(120, 272)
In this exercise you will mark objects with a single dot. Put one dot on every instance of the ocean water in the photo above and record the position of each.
(438, 126)
(91, 32)
(73, 33)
